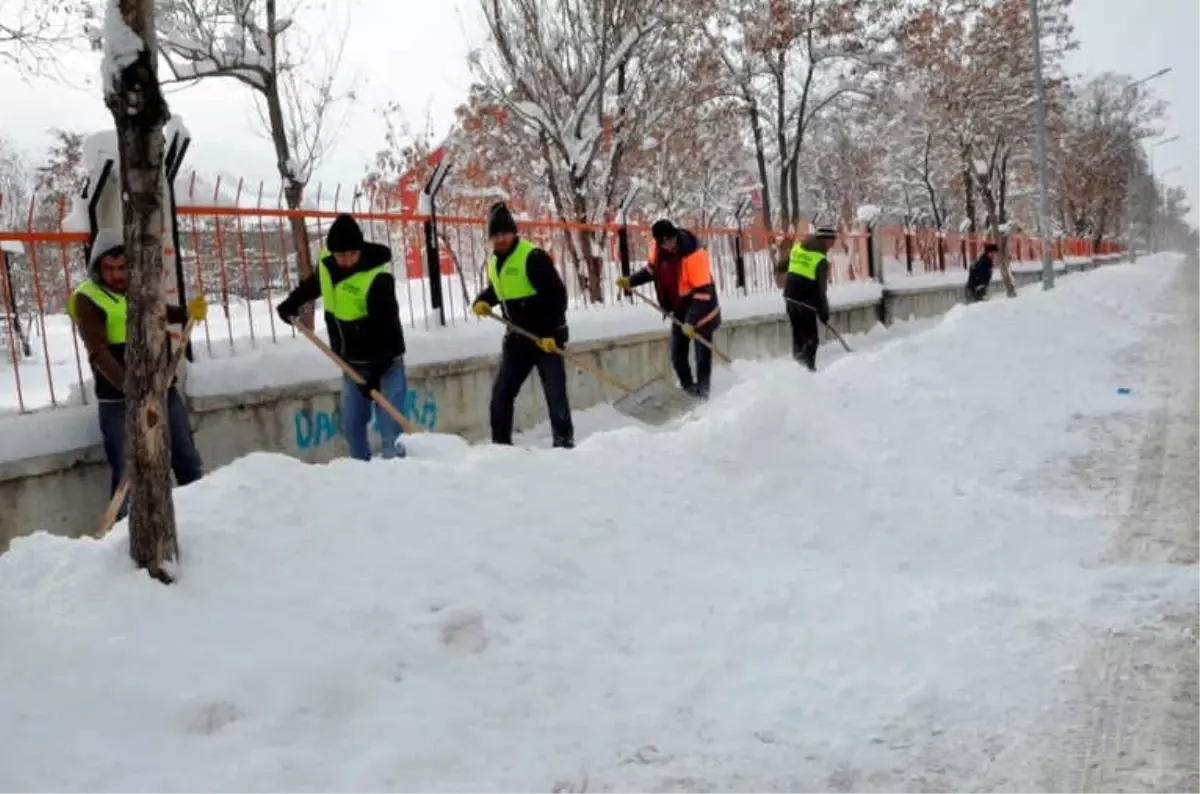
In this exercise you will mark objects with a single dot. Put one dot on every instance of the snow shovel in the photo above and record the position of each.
(828, 327)
(716, 350)
(654, 402)
(380, 400)
(118, 498)
(430, 444)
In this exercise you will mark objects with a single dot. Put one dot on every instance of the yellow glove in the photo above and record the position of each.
(197, 309)
(547, 344)
(481, 309)
(623, 282)
(688, 331)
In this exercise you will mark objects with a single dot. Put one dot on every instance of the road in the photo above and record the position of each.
(1136, 726)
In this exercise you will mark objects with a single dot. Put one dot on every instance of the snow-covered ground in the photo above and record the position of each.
(793, 588)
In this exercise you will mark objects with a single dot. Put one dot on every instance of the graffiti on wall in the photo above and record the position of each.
(314, 428)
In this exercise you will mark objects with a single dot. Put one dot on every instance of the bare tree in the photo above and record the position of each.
(33, 32)
(1096, 152)
(245, 40)
(133, 95)
(571, 73)
(789, 62)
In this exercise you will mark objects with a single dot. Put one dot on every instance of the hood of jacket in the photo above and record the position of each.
(105, 241)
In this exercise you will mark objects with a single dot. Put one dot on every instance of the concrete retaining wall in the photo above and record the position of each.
(67, 493)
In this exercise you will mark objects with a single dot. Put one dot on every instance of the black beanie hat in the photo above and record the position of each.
(663, 230)
(344, 235)
(500, 220)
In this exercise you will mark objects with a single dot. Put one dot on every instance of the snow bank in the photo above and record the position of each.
(295, 361)
(788, 586)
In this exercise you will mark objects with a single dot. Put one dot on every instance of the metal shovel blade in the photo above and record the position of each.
(656, 402)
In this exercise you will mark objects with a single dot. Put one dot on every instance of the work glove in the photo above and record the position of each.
(481, 308)
(371, 382)
(197, 309)
(623, 282)
(547, 344)
(688, 330)
(285, 314)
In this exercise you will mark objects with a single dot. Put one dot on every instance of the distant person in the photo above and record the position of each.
(682, 275)
(358, 294)
(806, 291)
(100, 311)
(523, 281)
(979, 277)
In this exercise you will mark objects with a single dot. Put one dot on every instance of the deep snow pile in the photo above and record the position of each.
(780, 591)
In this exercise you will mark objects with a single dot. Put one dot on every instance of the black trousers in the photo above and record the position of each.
(806, 337)
(519, 356)
(680, 348)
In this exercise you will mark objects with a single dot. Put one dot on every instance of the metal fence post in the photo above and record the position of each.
(739, 257)
(433, 260)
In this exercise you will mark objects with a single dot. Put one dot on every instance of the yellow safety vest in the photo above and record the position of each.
(511, 282)
(804, 263)
(114, 306)
(347, 299)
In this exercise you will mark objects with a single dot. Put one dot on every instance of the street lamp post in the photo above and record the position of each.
(1043, 178)
(1130, 199)
(1152, 243)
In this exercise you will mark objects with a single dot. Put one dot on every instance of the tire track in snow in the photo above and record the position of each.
(1135, 726)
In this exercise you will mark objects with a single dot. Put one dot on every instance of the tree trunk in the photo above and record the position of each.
(593, 274)
(139, 110)
(786, 211)
(969, 197)
(760, 155)
(293, 189)
(989, 203)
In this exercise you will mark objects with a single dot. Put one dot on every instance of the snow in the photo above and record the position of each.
(175, 126)
(868, 214)
(12, 246)
(98, 147)
(295, 361)
(121, 47)
(800, 583)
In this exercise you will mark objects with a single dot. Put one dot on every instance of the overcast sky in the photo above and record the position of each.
(414, 52)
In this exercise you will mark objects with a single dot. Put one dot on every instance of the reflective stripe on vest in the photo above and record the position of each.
(347, 299)
(114, 306)
(804, 263)
(512, 282)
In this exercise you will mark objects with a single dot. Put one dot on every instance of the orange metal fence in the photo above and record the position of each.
(243, 259)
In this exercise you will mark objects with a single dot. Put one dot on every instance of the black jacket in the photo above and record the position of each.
(807, 291)
(980, 274)
(373, 342)
(543, 314)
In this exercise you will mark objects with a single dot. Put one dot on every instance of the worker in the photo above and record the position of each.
(100, 311)
(806, 292)
(523, 281)
(682, 274)
(979, 277)
(362, 317)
